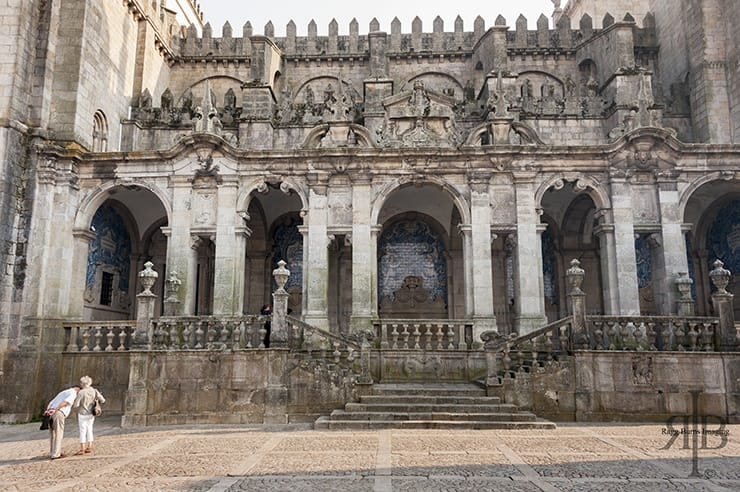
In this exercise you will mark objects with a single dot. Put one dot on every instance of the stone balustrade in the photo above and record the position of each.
(98, 336)
(210, 332)
(664, 333)
(427, 334)
(335, 351)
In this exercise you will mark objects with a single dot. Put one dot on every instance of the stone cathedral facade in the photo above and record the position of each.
(405, 172)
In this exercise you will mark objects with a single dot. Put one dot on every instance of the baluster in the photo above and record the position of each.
(394, 336)
(199, 334)
(121, 338)
(548, 346)
(428, 337)
(187, 333)
(308, 343)
(416, 335)
(640, 337)
(652, 336)
(598, 335)
(337, 353)
(350, 353)
(506, 360)
(236, 335)
(438, 336)
(628, 336)
(563, 339)
(707, 338)
(74, 331)
(109, 339)
(225, 333)
(98, 338)
(322, 349)
(693, 336)
(681, 335)
(174, 342)
(520, 357)
(405, 335)
(533, 355)
(449, 334)
(669, 336)
(612, 331)
(86, 339)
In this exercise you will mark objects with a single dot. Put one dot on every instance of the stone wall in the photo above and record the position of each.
(619, 386)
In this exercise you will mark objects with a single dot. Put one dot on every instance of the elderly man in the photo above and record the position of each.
(58, 409)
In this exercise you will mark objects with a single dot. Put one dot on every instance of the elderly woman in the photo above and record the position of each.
(85, 418)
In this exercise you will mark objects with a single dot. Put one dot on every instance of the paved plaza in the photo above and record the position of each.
(296, 458)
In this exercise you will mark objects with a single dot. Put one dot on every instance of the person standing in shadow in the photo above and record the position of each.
(266, 311)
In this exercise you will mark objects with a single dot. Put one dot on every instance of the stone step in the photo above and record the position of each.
(325, 423)
(431, 400)
(440, 389)
(403, 406)
(434, 416)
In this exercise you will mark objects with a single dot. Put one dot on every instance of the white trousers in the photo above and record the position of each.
(85, 422)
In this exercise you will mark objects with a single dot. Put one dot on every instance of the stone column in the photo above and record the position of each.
(726, 339)
(228, 288)
(316, 269)
(279, 327)
(622, 297)
(374, 302)
(80, 252)
(484, 318)
(671, 258)
(145, 304)
(181, 255)
(362, 254)
(528, 260)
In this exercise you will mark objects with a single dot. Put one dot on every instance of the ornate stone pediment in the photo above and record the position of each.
(419, 118)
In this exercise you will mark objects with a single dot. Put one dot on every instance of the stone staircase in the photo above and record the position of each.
(430, 406)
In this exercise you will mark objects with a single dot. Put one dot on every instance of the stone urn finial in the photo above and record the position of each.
(683, 284)
(281, 275)
(574, 276)
(720, 276)
(147, 277)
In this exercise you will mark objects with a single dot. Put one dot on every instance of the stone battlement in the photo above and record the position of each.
(417, 41)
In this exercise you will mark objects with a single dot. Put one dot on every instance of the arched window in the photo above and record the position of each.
(100, 132)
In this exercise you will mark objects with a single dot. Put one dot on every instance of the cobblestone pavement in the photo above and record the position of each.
(580, 457)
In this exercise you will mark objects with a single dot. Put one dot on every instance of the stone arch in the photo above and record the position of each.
(582, 183)
(382, 196)
(314, 136)
(258, 184)
(432, 77)
(98, 195)
(344, 84)
(704, 179)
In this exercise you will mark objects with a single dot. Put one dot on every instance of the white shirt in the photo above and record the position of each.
(67, 395)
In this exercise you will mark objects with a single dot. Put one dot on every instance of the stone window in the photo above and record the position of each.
(106, 289)
(100, 132)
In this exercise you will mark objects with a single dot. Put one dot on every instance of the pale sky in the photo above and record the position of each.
(237, 12)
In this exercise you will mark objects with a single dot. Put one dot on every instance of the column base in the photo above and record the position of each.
(528, 323)
(317, 320)
(361, 323)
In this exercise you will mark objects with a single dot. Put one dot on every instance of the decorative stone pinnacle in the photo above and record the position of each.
(281, 275)
(720, 277)
(148, 277)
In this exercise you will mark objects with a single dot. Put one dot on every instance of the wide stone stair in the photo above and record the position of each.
(430, 406)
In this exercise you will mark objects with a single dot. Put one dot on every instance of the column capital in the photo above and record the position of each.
(85, 234)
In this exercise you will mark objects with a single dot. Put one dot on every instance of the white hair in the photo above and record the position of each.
(85, 381)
